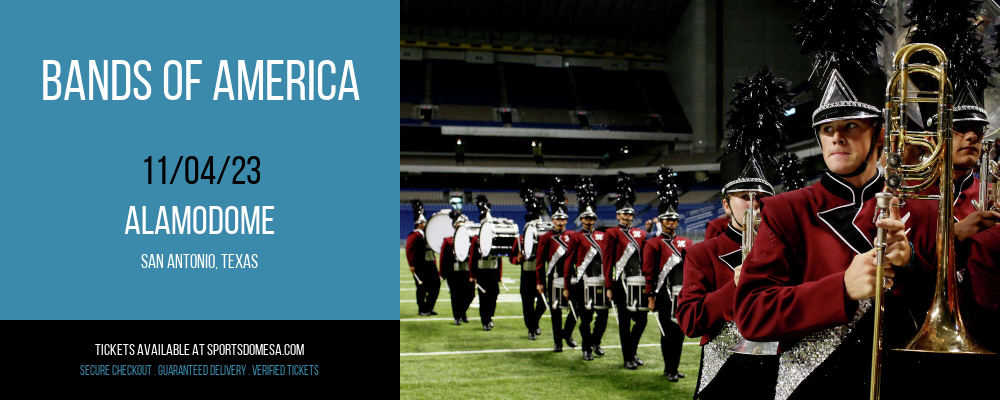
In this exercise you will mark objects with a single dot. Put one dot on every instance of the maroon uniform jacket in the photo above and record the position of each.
(715, 227)
(792, 282)
(967, 189)
(615, 243)
(416, 251)
(447, 261)
(580, 244)
(549, 244)
(981, 287)
(655, 254)
(706, 301)
(475, 255)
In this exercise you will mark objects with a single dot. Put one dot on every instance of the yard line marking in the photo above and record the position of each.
(444, 353)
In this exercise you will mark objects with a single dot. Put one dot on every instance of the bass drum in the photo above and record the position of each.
(438, 229)
(463, 243)
(497, 237)
(532, 231)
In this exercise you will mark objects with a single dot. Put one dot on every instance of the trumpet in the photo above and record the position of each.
(989, 177)
(943, 330)
(750, 220)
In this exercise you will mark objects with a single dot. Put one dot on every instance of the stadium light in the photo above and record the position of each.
(790, 111)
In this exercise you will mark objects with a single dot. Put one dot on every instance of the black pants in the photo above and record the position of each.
(489, 280)
(532, 305)
(589, 338)
(628, 333)
(462, 292)
(559, 331)
(427, 292)
(672, 339)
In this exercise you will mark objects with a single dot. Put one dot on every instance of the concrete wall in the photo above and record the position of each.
(754, 33)
(690, 66)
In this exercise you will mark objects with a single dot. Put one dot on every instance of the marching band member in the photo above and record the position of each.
(623, 253)
(975, 230)
(712, 268)
(970, 71)
(532, 305)
(486, 272)
(552, 251)
(809, 278)
(581, 244)
(420, 256)
(457, 273)
(657, 264)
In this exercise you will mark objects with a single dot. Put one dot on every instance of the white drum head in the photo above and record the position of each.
(486, 238)
(529, 240)
(438, 228)
(462, 243)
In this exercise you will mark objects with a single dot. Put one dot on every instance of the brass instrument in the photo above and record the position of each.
(989, 177)
(943, 330)
(751, 218)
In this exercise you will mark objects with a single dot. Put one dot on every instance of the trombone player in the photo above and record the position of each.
(810, 276)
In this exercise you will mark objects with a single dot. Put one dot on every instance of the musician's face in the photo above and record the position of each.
(967, 143)
(738, 203)
(846, 143)
(588, 223)
(625, 219)
(668, 225)
(560, 224)
(422, 225)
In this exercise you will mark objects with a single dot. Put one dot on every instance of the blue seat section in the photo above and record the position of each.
(531, 86)
(458, 82)
(411, 82)
(409, 121)
(608, 90)
(543, 125)
(442, 122)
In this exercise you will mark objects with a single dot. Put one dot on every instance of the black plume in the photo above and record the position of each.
(948, 24)
(790, 172)
(418, 208)
(666, 189)
(557, 196)
(757, 115)
(625, 189)
(585, 193)
(484, 206)
(847, 32)
(531, 203)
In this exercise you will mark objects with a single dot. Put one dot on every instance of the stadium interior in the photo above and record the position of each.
(499, 96)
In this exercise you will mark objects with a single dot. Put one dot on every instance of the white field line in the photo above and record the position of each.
(444, 353)
(502, 298)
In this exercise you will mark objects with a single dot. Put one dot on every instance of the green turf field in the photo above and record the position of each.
(521, 374)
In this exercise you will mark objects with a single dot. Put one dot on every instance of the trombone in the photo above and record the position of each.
(943, 330)
(989, 177)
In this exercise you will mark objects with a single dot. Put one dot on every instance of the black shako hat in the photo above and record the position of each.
(666, 191)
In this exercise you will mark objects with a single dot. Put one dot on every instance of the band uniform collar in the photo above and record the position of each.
(734, 234)
(841, 188)
(964, 183)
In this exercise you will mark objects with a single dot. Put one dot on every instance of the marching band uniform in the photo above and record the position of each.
(980, 288)
(622, 255)
(420, 257)
(486, 271)
(457, 275)
(580, 265)
(665, 253)
(553, 252)
(532, 305)
(715, 227)
(731, 366)
(792, 286)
